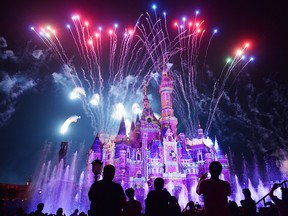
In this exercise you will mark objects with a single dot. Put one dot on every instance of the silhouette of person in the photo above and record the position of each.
(248, 204)
(234, 209)
(174, 208)
(107, 197)
(215, 191)
(39, 210)
(59, 212)
(82, 214)
(132, 207)
(157, 200)
(282, 205)
(75, 213)
(189, 209)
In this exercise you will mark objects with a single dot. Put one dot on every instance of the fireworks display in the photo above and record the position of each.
(67, 123)
(107, 66)
(102, 65)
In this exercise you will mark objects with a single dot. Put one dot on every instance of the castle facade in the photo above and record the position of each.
(153, 148)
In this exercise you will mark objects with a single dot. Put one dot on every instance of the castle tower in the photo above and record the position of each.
(95, 152)
(149, 128)
(149, 123)
(200, 131)
(136, 134)
(122, 131)
(167, 118)
(131, 132)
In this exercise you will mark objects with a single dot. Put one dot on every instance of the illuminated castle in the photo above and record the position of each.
(154, 149)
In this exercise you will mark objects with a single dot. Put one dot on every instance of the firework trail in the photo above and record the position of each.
(110, 74)
(102, 88)
(67, 123)
(187, 75)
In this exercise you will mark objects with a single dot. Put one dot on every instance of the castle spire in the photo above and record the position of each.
(200, 131)
(167, 112)
(145, 87)
(122, 128)
(122, 131)
(145, 99)
(96, 146)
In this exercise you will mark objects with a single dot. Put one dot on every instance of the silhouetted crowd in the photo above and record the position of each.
(108, 199)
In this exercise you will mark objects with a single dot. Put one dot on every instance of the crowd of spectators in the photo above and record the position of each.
(108, 199)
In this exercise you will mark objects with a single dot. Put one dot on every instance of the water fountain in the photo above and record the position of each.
(59, 186)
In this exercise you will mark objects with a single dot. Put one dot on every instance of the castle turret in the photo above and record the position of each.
(167, 118)
(200, 131)
(122, 131)
(137, 134)
(96, 149)
(131, 132)
(149, 123)
(95, 152)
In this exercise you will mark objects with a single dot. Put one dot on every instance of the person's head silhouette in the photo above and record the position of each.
(130, 193)
(108, 172)
(59, 211)
(215, 169)
(40, 206)
(159, 183)
(246, 192)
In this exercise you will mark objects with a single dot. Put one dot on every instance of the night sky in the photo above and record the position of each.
(33, 106)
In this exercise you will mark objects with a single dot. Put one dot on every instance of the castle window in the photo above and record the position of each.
(128, 155)
(138, 174)
(199, 155)
(108, 156)
(138, 156)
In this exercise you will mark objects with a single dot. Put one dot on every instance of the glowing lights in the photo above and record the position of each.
(228, 60)
(154, 7)
(239, 52)
(136, 108)
(77, 93)
(197, 12)
(75, 17)
(119, 111)
(66, 124)
(150, 37)
(95, 100)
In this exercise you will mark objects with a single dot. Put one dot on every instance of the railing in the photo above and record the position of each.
(282, 184)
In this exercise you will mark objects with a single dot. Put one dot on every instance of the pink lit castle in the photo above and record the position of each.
(154, 149)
